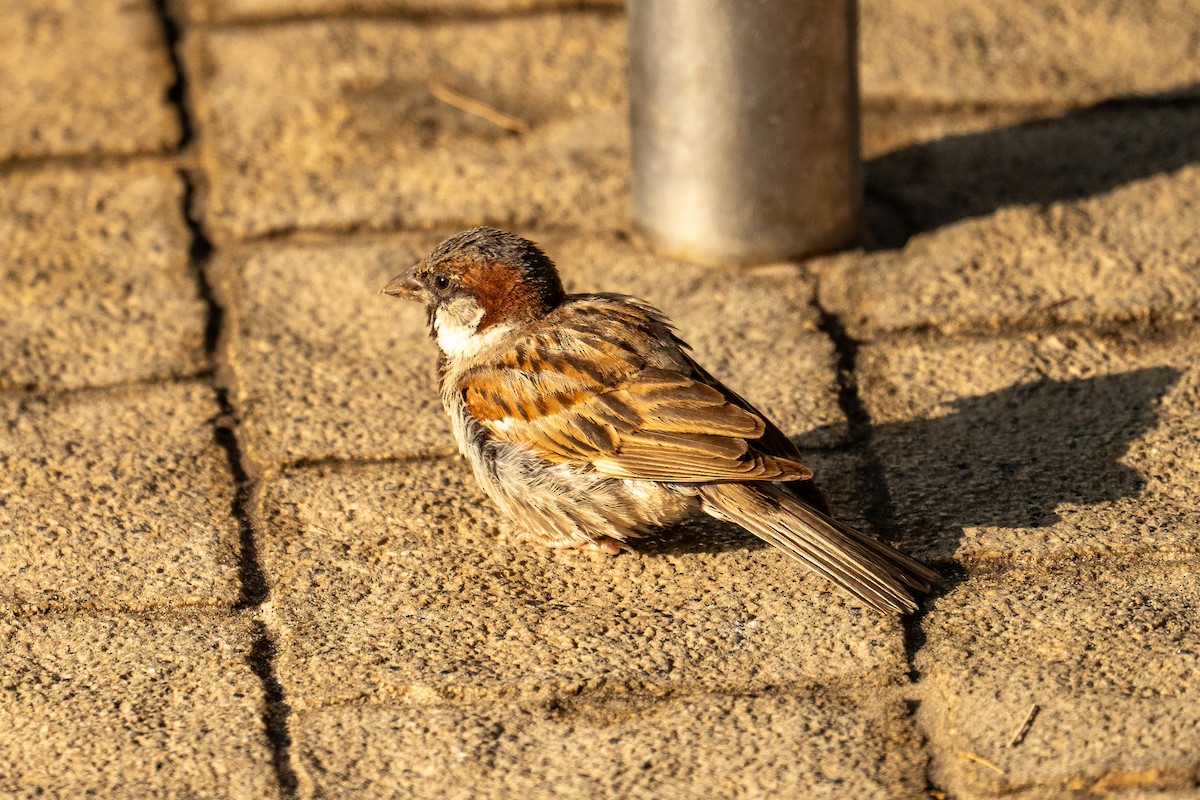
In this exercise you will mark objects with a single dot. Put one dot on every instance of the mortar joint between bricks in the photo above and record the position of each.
(254, 587)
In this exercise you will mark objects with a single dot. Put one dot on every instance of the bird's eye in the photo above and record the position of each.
(441, 281)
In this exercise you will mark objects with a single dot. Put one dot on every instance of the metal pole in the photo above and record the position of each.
(744, 117)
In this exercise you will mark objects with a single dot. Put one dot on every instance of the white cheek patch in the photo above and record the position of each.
(456, 324)
(453, 337)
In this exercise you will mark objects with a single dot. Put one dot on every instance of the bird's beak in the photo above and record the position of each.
(406, 286)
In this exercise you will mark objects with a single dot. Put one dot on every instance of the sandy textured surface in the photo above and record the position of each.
(239, 557)
(459, 609)
(131, 707)
(795, 744)
(97, 288)
(82, 77)
(115, 500)
(341, 126)
(1047, 446)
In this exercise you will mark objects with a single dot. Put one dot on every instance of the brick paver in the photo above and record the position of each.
(115, 500)
(1047, 446)
(107, 706)
(1104, 648)
(82, 77)
(1095, 235)
(808, 744)
(339, 125)
(97, 288)
(1029, 51)
(239, 558)
(400, 582)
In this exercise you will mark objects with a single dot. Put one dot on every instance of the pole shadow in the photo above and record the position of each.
(1080, 154)
(1004, 459)
(1009, 458)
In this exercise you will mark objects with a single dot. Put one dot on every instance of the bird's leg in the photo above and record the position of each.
(604, 544)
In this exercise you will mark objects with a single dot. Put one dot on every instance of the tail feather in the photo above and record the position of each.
(877, 574)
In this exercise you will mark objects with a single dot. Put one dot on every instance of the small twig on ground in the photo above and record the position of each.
(1019, 736)
(478, 108)
(981, 761)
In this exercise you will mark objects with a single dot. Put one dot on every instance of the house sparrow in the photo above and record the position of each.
(587, 422)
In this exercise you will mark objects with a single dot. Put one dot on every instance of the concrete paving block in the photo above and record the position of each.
(1026, 52)
(130, 708)
(1083, 155)
(400, 582)
(320, 364)
(890, 125)
(360, 124)
(1100, 227)
(97, 288)
(818, 743)
(338, 371)
(229, 11)
(1039, 446)
(115, 500)
(79, 77)
(1107, 651)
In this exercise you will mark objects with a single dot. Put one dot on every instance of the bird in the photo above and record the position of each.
(588, 423)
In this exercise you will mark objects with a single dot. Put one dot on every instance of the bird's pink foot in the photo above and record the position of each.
(604, 544)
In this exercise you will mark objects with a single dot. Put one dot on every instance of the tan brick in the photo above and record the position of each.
(1026, 52)
(889, 125)
(1039, 446)
(1099, 228)
(115, 500)
(321, 364)
(97, 288)
(84, 77)
(818, 743)
(338, 125)
(399, 582)
(324, 367)
(1105, 649)
(112, 707)
(947, 52)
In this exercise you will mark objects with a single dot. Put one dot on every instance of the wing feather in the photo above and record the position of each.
(608, 384)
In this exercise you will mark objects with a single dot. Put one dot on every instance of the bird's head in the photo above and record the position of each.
(478, 285)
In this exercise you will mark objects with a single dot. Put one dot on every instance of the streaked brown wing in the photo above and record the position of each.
(772, 442)
(596, 393)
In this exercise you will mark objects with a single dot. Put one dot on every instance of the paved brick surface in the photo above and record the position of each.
(1105, 157)
(810, 744)
(889, 126)
(97, 288)
(115, 500)
(339, 125)
(338, 371)
(1093, 237)
(130, 707)
(238, 557)
(321, 364)
(1029, 51)
(1106, 650)
(1039, 446)
(399, 582)
(84, 77)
